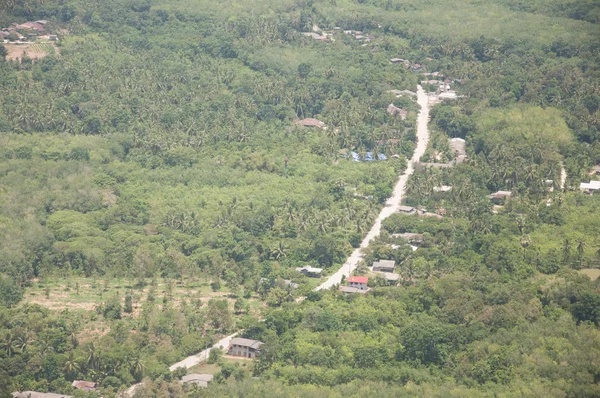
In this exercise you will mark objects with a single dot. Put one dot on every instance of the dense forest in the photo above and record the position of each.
(157, 192)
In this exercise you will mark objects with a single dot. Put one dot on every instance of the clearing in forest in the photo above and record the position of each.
(32, 50)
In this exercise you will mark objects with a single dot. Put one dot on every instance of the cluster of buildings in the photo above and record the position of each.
(407, 64)
(26, 31)
(327, 35)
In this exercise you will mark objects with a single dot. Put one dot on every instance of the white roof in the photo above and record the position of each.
(197, 377)
(391, 277)
(384, 263)
(594, 185)
(309, 269)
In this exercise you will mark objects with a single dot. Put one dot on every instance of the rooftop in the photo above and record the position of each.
(310, 122)
(246, 342)
(35, 394)
(197, 377)
(358, 279)
(391, 277)
(348, 289)
(384, 263)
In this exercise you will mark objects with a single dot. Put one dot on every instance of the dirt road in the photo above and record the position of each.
(391, 205)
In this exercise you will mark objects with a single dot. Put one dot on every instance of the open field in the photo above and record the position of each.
(86, 293)
(33, 50)
(593, 273)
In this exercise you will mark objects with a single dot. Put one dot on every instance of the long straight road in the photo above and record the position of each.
(391, 205)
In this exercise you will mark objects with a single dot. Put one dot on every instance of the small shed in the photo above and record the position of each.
(500, 195)
(406, 209)
(348, 290)
(310, 122)
(198, 379)
(384, 266)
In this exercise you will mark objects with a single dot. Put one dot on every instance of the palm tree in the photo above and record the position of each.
(25, 340)
(71, 365)
(581, 245)
(10, 344)
(136, 367)
(566, 251)
(92, 357)
(279, 251)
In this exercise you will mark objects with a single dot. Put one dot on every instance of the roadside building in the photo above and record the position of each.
(246, 348)
(384, 266)
(410, 237)
(310, 271)
(359, 282)
(406, 209)
(197, 379)
(348, 290)
(395, 111)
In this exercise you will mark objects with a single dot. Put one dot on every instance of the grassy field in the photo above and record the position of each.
(214, 367)
(593, 273)
(86, 293)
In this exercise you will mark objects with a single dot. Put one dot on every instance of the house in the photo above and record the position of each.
(359, 282)
(406, 209)
(310, 122)
(589, 187)
(405, 62)
(410, 237)
(35, 394)
(394, 110)
(197, 379)
(384, 266)
(38, 27)
(348, 289)
(52, 37)
(391, 277)
(246, 348)
(84, 385)
(310, 271)
(500, 196)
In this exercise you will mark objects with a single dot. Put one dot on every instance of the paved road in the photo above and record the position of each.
(191, 360)
(391, 205)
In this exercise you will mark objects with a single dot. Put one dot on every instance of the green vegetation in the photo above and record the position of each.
(156, 194)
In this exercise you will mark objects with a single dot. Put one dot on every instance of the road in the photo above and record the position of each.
(391, 205)
(191, 360)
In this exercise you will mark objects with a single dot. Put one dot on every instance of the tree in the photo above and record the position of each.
(128, 306)
(218, 315)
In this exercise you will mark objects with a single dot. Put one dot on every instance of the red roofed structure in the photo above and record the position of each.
(359, 282)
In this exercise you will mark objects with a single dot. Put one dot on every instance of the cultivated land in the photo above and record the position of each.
(32, 50)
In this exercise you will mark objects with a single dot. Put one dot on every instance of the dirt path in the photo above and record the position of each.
(563, 176)
(391, 205)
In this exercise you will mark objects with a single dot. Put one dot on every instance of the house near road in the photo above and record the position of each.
(35, 394)
(310, 122)
(589, 187)
(384, 266)
(310, 271)
(246, 348)
(406, 209)
(359, 282)
(348, 289)
(200, 380)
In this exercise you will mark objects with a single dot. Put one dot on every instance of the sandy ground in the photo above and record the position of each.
(391, 205)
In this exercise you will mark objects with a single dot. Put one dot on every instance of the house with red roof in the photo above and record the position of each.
(359, 282)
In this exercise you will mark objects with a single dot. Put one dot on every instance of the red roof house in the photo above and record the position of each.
(359, 282)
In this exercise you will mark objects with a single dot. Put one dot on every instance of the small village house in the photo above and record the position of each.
(84, 385)
(391, 278)
(410, 237)
(589, 187)
(384, 266)
(246, 348)
(349, 290)
(35, 394)
(359, 282)
(197, 379)
(395, 111)
(310, 271)
(406, 209)
(310, 122)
